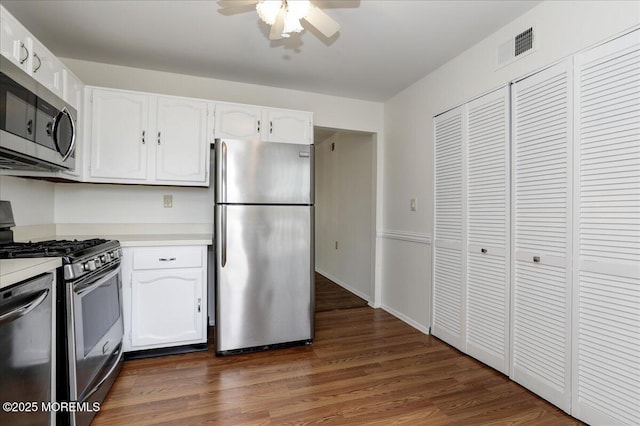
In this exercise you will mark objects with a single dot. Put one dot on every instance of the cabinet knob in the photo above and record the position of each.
(271, 127)
(143, 136)
(258, 131)
(167, 259)
(199, 304)
(158, 138)
(484, 250)
(536, 259)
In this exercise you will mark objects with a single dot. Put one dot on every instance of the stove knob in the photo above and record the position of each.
(103, 259)
(92, 265)
(85, 266)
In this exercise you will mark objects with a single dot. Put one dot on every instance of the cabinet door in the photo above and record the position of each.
(13, 40)
(487, 337)
(119, 135)
(72, 89)
(606, 298)
(542, 160)
(168, 307)
(182, 146)
(237, 121)
(449, 263)
(46, 68)
(288, 126)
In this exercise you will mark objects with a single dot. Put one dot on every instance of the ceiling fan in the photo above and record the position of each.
(284, 16)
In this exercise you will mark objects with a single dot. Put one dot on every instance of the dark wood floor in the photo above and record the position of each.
(365, 367)
(330, 296)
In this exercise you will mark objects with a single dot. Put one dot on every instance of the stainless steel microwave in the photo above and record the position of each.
(37, 128)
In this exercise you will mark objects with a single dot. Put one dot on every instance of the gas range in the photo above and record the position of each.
(88, 323)
(78, 257)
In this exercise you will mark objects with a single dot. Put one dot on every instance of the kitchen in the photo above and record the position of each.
(403, 238)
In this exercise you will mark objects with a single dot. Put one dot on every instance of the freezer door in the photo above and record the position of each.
(264, 267)
(255, 172)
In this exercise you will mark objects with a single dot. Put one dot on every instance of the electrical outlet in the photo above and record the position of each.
(414, 204)
(168, 201)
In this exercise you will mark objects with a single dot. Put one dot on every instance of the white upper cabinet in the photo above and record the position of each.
(181, 140)
(19, 46)
(142, 138)
(120, 135)
(46, 68)
(541, 301)
(14, 39)
(287, 126)
(235, 121)
(72, 89)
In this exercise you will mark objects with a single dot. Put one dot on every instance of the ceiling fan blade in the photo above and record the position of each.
(323, 22)
(236, 3)
(278, 26)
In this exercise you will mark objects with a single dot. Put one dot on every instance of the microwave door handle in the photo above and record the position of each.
(56, 123)
(25, 308)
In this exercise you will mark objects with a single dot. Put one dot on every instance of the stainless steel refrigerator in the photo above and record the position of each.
(264, 239)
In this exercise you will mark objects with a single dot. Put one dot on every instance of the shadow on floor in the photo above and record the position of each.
(331, 296)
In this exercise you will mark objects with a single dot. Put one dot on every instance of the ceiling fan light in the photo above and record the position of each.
(298, 8)
(291, 24)
(268, 10)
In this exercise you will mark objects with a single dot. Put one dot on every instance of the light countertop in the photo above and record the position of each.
(149, 240)
(15, 270)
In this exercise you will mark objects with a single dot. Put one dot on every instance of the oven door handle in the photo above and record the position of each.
(25, 308)
(108, 375)
(81, 289)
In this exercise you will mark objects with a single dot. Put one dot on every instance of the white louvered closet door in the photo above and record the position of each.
(606, 317)
(487, 316)
(541, 211)
(448, 286)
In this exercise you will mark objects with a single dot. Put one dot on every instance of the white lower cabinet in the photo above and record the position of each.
(164, 296)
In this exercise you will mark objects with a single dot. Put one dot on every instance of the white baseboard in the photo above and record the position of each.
(406, 319)
(345, 286)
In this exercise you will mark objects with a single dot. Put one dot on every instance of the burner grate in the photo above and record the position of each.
(50, 248)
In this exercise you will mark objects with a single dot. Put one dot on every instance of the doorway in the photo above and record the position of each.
(344, 217)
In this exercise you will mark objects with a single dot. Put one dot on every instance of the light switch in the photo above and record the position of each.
(414, 204)
(168, 201)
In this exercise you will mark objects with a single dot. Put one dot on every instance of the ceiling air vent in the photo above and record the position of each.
(515, 47)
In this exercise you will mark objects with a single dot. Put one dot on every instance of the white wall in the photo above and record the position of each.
(329, 111)
(121, 204)
(562, 28)
(32, 201)
(344, 181)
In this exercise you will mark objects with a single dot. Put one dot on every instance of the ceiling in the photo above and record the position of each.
(382, 47)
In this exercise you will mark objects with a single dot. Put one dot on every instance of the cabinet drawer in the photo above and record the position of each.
(167, 257)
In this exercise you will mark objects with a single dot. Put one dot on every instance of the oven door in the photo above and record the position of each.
(95, 330)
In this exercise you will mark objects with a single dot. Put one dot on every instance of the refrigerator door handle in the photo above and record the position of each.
(223, 236)
(223, 172)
